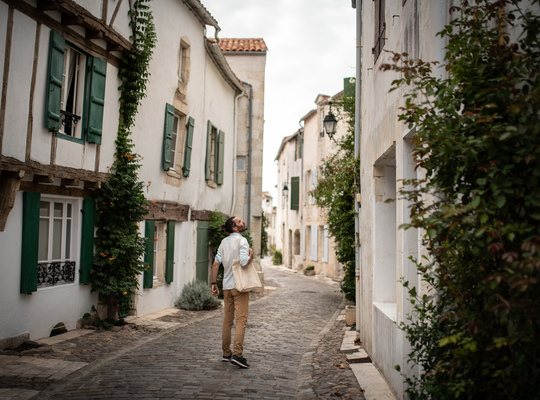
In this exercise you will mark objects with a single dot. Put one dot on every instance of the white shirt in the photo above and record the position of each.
(228, 250)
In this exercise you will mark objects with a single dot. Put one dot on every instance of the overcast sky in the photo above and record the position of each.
(311, 48)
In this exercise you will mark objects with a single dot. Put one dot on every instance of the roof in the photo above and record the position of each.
(216, 55)
(243, 45)
(285, 140)
(201, 13)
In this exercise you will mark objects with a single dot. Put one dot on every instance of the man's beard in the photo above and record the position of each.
(241, 229)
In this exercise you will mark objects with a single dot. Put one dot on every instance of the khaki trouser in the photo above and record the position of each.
(235, 303)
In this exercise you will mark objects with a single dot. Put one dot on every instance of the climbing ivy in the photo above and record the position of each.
(475, 333)
(120, 203)
(335, 193)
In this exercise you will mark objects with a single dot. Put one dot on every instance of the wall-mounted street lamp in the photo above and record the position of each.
(330, 123)
(285, 190)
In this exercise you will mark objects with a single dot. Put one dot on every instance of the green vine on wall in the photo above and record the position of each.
(120, 204)
(335, 193)
(475, 333)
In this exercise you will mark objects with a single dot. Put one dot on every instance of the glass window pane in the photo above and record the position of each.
(68, 239)
(43, 246)
(58, 210)
(68, 211)
(175, 125)
(57, 239)
(44, 209)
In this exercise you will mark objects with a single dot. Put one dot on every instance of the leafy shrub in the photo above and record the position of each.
(277, 258)
(310, 268)
(197, 296)
(475, 334)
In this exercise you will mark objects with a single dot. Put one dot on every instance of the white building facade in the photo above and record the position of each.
(58, 125)
(301, 229)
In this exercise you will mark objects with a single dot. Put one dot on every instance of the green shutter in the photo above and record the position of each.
(189, 146)
(57, 47)
(148, 275)
(295, 193)
(201, 256)
(97, 100)
(169, 258)
(220, 153)
(208, 152)
(168, 136)
(30, 240)
(87, 240)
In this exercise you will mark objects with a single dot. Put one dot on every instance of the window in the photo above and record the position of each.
(215, 150)
(241, 163)
(184, 60)
(177, 141)
(55, 252)
(76, 92)
(72, 92)
(380, 29)
(50, 245)
(312, 185)
(159, 253)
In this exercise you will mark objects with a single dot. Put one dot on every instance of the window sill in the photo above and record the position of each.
(388, 309)
(69, 138)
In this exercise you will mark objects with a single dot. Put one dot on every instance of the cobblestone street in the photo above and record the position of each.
(292, 343)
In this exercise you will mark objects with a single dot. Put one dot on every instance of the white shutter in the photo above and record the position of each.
(325, 243)
(313, 241)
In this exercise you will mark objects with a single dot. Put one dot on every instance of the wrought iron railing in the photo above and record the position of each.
(56, 273)
(69, 121)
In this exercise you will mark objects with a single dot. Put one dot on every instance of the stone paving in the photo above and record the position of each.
(292, 342)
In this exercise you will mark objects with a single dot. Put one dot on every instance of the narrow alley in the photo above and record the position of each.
(293, 341)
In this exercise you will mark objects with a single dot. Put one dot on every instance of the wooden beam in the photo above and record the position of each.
(43, 179)
(71, 20)
(36, 168)
(9, 185)
(88, 21)
(69, 182)
(167, 211)
(55, 190)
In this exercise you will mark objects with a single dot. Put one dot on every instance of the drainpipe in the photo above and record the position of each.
(235, 139)
(249, 152)
(357, 130)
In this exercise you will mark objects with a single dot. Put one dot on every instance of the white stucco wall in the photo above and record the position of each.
(38, 313)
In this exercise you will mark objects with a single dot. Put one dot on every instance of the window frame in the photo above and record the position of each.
(380, 29)
(92, 82)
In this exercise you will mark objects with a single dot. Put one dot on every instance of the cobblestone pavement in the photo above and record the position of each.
(292, 343)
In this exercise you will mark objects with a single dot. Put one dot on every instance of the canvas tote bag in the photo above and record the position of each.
(245, 278)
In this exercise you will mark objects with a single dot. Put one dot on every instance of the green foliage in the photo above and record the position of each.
(310, 268)
(121, 202)
(335, 193)
(264, 235)
(197, 296)
(478, 141)
(277, 258)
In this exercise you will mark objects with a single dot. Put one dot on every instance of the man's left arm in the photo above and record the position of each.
(246, 254)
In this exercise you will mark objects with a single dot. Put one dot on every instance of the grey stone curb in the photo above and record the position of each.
(304, 387)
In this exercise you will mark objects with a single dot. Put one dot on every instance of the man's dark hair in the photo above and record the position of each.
(229, 225)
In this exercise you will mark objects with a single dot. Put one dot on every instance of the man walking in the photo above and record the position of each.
(233, 246)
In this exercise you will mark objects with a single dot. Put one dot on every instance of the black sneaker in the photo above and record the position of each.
(240, 361)
(226, 358)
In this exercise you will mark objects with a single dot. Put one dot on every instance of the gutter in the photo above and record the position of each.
(250, 142)
(357, 131)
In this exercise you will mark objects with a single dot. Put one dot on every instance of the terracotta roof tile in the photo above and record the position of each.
(247, 45)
